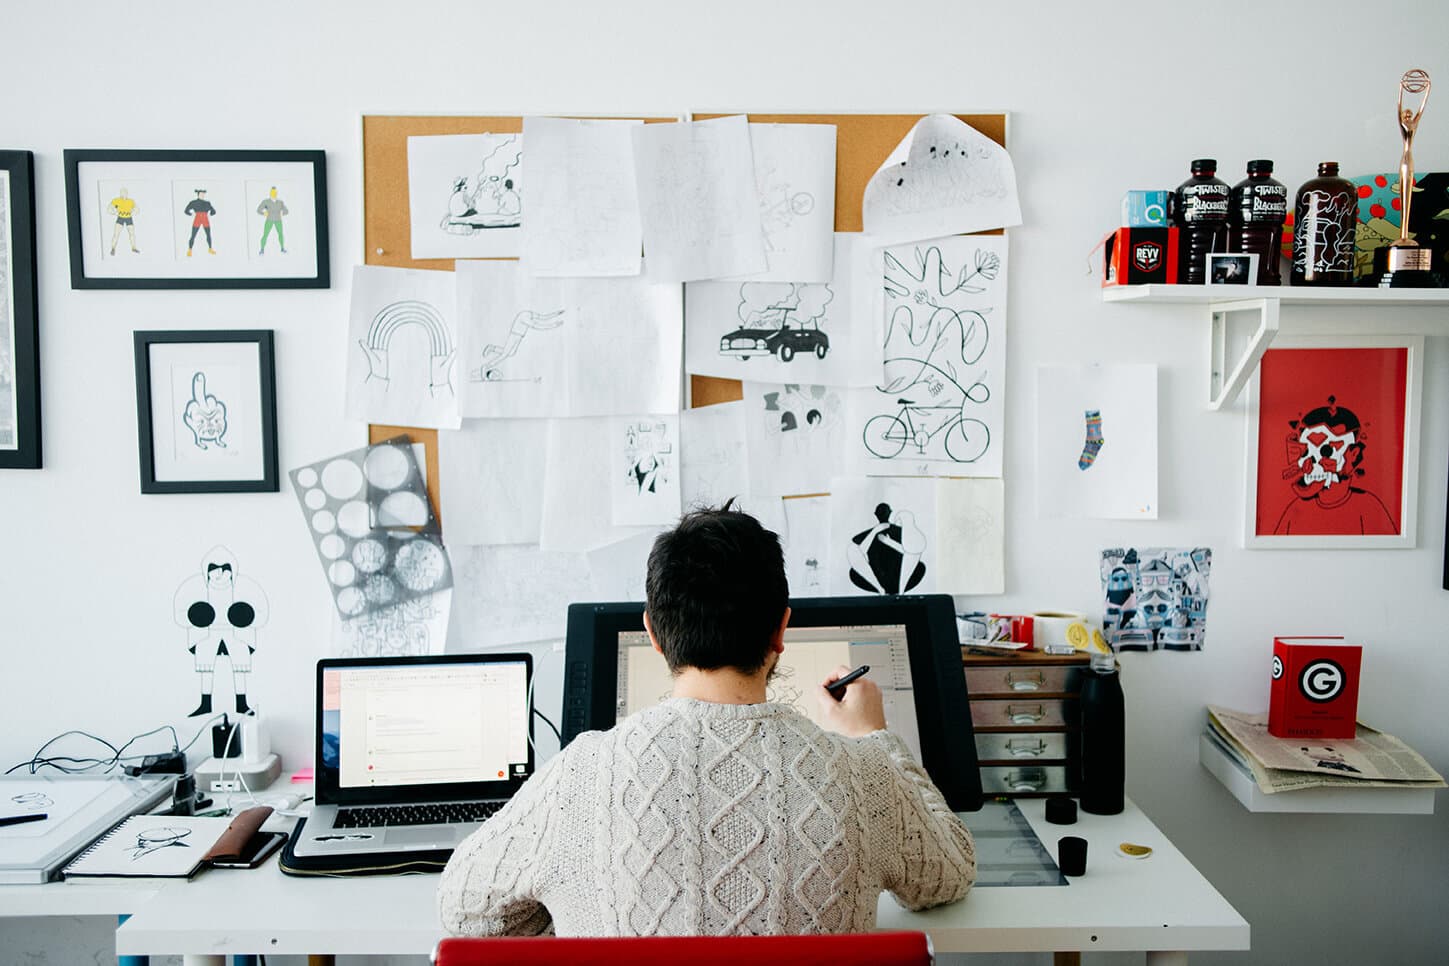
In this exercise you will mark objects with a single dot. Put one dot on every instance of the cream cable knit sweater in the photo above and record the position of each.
(713, 819)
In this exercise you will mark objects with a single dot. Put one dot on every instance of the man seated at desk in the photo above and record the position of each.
(715, 812)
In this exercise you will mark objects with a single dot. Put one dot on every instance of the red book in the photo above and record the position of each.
(1314, 693)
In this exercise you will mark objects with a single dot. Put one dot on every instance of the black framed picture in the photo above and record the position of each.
(197, 219)
(206, 411)
(19, 320)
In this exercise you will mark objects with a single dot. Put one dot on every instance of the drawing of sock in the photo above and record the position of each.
(1094, 439)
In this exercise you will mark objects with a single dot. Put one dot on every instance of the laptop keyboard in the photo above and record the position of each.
(381, 816)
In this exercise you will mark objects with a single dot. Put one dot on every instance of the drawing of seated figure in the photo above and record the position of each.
(886, 559)
(523, 323)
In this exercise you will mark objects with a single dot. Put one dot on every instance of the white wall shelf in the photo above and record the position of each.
(1265, 301)
(1350, 801)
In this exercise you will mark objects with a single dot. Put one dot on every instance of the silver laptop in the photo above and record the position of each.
(414, 753)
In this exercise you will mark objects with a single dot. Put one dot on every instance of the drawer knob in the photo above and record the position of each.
(1025, 748)
(1018, 680)
(1025, 713)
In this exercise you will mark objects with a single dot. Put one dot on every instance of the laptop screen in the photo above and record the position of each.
(421, 724)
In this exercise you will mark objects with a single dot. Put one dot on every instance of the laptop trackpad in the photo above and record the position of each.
(444, 836)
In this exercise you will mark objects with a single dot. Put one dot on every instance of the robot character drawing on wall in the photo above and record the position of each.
(221, 611)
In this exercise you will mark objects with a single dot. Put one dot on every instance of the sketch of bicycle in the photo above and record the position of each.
(964, 439)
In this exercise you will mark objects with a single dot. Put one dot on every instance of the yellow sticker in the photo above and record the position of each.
(1133, 851)
(1077, 636)
(1100, 642)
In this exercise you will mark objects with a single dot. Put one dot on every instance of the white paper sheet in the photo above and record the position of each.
(617, 571)
(808, 556)
(512, 595)
(402, 348)
(644, 483)
(577, 496)
(713, 463)
(787, 332)
(514, 334)
(945, 178)
(625, 352)
(490, 473)
(795, 436)
(465, 195)
(583, 201)
(697, 199)
(883, 536)
(938, 410)
(415, 627)
(970, 536)
(795, 183)
(1096, 441)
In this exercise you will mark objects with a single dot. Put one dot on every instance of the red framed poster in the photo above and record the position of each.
(1333, 443)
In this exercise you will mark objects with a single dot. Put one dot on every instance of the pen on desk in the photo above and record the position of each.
(837, 687)
(22, 819)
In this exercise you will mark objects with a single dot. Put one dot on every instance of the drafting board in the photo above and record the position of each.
(863, 142)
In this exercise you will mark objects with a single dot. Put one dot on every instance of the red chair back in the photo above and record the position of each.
(868, 949)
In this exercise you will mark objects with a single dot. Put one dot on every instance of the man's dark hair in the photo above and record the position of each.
(716, 591)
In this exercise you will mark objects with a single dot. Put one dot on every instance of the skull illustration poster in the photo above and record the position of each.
(1155, 598)
(1333, 458)
(938, 408)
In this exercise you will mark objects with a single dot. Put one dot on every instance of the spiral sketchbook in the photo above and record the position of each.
(171, 846)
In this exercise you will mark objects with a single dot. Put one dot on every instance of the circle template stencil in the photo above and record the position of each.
(341, 479)
(386, 467)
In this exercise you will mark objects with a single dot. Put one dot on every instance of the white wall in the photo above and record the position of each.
(1103, 97)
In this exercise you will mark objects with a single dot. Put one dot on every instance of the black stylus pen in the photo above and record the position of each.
(22, 819)
(837, 687)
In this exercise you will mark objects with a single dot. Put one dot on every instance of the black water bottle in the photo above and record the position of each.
(1104, 738)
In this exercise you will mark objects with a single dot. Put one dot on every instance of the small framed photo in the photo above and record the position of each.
(197, 219)
(1333, 443)
(19, 320)
(206, 411)
(1232, 268)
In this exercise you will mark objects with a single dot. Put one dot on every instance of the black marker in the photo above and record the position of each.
(837, 687)
(22, 819)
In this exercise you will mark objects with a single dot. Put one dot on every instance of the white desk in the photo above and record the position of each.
(1160, 904)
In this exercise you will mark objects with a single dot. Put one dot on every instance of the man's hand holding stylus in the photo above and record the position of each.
(858, 712)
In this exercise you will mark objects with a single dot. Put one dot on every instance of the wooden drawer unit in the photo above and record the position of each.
(1024, 712)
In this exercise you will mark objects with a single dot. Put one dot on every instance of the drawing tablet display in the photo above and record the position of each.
(910, 643)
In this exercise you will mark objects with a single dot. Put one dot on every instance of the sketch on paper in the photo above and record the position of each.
(204, 415)
(465, 195)
(944, 178)
(779, 319)
(513, 595)
(793, 434)
(883, 535)
(645, 486)
(159, 837)
(494, 355)
(937, 410)
(970, 536)
(221, 610)
(1096, 441)
(885, 557)
(1155, 598)
(806, 540)
(583, 201)
(794, 168)
(375, 345)
(413, 627)
(713, 464)
(488, 199)
(631, 325)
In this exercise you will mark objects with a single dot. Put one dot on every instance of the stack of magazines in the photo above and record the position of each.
(1371, 759)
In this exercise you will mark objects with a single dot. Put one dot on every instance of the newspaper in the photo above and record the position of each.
(1371, 759)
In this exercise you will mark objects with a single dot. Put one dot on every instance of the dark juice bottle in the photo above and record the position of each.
(1325, 217)
(1104, 738)
(1255, 218)
(1200, 211)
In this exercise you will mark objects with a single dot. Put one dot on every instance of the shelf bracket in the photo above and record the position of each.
(1224, 386)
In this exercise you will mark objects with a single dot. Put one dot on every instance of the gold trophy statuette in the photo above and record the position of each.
(1406, 263)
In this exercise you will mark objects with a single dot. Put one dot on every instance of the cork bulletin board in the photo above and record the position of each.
(863, 142)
